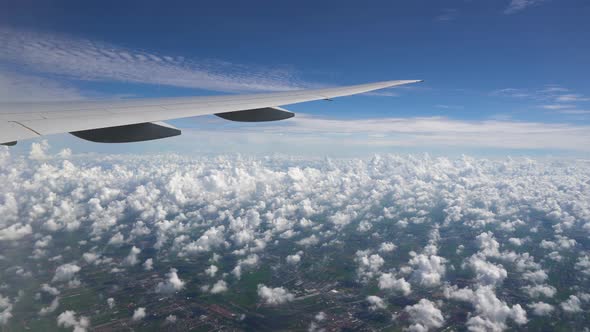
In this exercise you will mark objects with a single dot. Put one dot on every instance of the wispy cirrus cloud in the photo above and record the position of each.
(516, 6)
(449, 107)
(575, 112)
(80, 59)
(557, 106)
(16, 87)
(546, 93)
(448, 14)
(552, 97)
(572, 98)
(511, 92)
(437, 131)
(327, 135)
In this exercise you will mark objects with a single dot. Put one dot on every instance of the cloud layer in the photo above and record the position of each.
(440, 235)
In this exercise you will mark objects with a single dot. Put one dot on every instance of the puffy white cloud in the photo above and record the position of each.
(219, 287)
(487, 273)
(564, 242)
(172, 284)
(5, 310)
(50, 290)
(572, 304)
(583, 264)
(65, 153)
(39, 151)
(212, 238)
(488, 244)
(8, 209)
(94, 258)
(428, 269)
(140, 229)
(117, 239)
(540, 290)
(491, 312)
(90, 257)
(15, 232)
(250, 261)
(341, 218)
(368, 264)
(211, 271)
(375, 302)
(541, 308)
(309, 241)
(274, 296)
(560, 242)
(538, 276)
(516, 241)
(20, 271)
(424, 316)
(111, 302)
(138, 314)
(554, 255)
(320, 316)
(148, 265)
(74, 283)
(51, 308)
(295, 258)
(584, 296)
(388, 281)
(68, 319)
(132, 258)
(387, 247)
(65, 272)
(364, 226)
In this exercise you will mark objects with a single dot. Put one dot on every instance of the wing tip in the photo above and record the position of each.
(412, 81)
(402, 82)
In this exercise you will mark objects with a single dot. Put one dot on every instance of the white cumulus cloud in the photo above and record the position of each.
(138, 314)
(68, 319)
(172, 283)
(65, 272)
(274, 296)
(424, 316)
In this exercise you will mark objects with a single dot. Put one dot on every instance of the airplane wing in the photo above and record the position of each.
(135, 120)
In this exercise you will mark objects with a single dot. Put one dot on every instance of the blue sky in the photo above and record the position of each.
(510, 61)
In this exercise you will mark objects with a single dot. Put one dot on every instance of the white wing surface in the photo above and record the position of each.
(106, 121)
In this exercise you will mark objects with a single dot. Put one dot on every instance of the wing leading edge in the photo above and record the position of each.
(30, 120)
